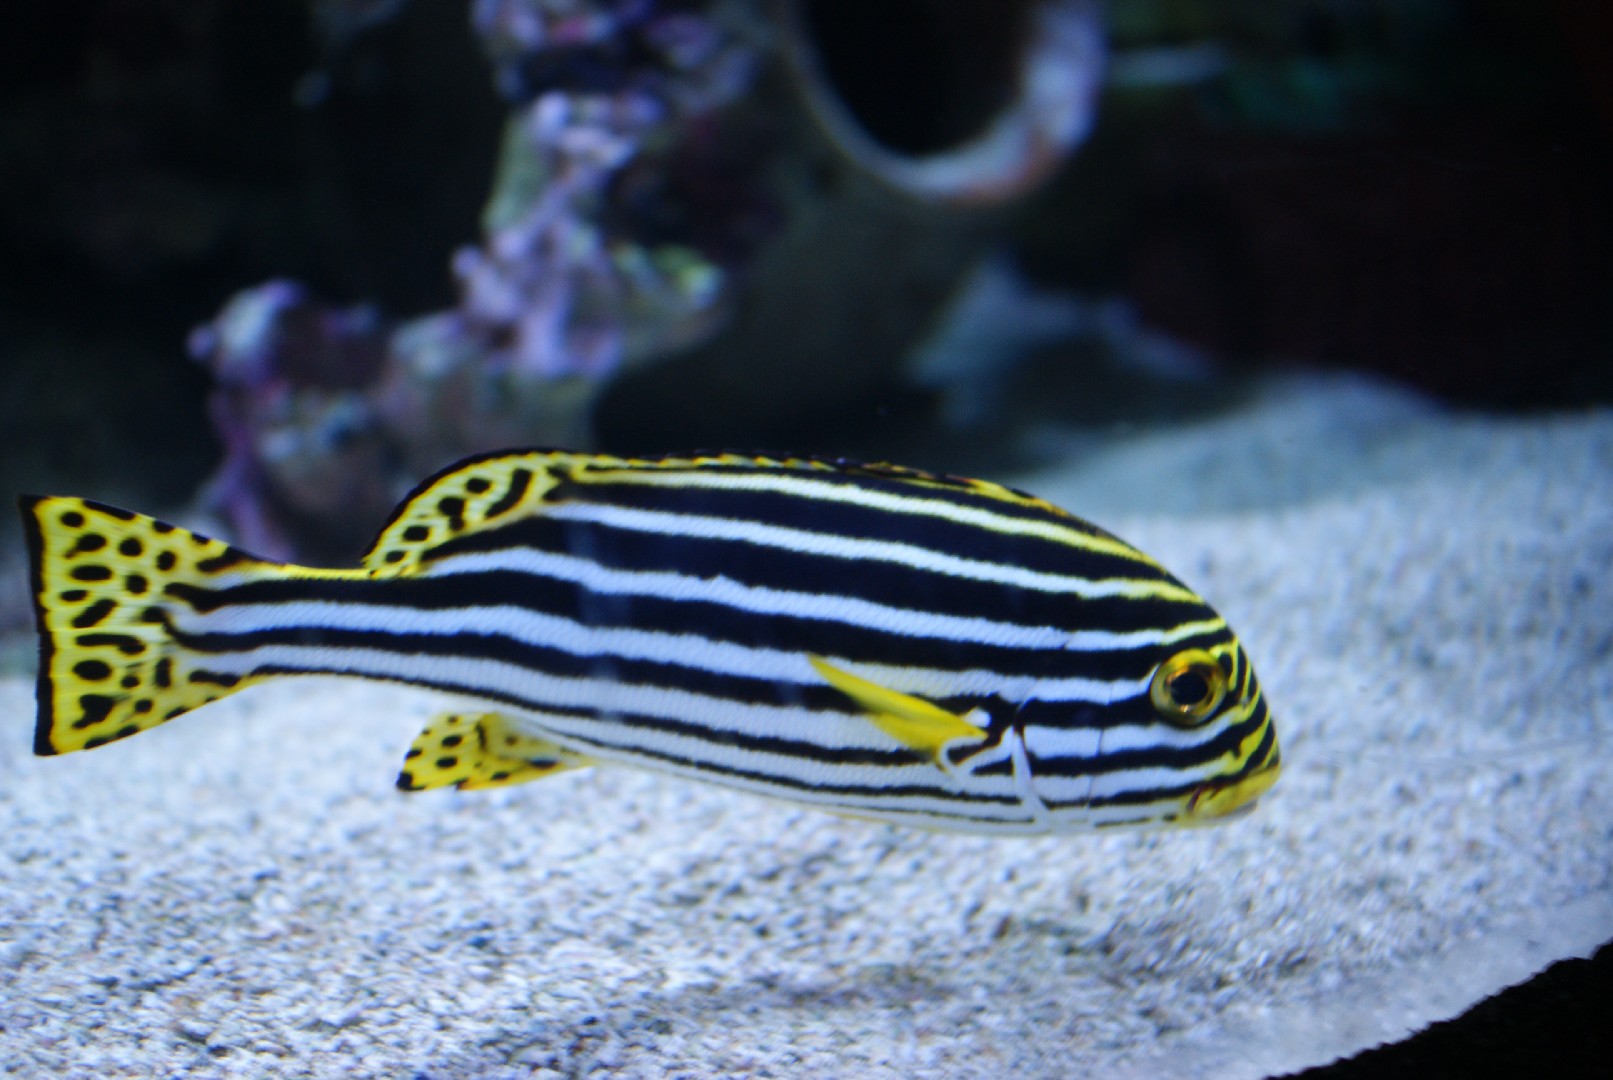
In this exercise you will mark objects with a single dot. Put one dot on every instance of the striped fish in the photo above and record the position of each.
(870, 640)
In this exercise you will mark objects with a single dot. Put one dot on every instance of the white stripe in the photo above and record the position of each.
(1094, 691)
(1100, 640)
(842, 492)
(1108, 785)
(624, 742)
(544, 631)
(1065, 789)
(755, 599)
(843, 547)
(827, 729)
(1074, 790)
(1159, 736)
(1047, 743)
(614, 740)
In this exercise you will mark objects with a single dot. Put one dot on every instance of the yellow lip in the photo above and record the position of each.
(1214, 801)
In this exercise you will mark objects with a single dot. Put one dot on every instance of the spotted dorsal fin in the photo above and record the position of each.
(490, 490)
(472, 495)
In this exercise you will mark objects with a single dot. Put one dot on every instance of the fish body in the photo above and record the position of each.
(866, 639)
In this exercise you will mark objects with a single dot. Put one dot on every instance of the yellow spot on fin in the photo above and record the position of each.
(472, 751)
(107, 587)
(923, 727)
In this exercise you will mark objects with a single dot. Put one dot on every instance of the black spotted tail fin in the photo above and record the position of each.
(105, 585)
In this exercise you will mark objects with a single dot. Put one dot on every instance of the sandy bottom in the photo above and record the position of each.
(1426, 596)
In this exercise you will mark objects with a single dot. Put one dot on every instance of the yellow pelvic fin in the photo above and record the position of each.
(471, 751)
(106, 585)
(925, 728)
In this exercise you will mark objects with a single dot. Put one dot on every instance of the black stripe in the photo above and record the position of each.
(1169, 757)
(1077, 715)
(629, 720)
(630, 673)
(889, 583)
(831, 518)
(471, 645)
(712, 621)
(1148, 795)
(198, 598)
(879, 791)
(1135, 796)
(1265, 754)
(1126, 823)
(896, 480)
(766, 744)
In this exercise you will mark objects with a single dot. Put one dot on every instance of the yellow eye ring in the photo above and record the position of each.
(1187, 688)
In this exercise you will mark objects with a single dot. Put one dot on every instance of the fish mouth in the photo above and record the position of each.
(1223, 800)
(1236, 812)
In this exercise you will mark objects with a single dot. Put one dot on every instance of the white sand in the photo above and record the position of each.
(1428, 598)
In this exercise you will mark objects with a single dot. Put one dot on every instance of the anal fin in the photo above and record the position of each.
(922, 726)
(471, 751)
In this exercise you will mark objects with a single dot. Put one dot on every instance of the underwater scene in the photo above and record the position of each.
(799, 538)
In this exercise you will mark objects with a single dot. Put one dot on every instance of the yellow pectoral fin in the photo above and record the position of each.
(475, 751)
(924, 727)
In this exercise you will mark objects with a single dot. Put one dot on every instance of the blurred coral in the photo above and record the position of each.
(656, 175)
(327, 414)
(300, 435)
(554, 288)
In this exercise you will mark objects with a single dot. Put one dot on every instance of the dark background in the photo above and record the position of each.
(1418, 188)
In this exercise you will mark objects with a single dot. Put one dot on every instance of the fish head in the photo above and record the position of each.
(1193, 744)
(1216, 732)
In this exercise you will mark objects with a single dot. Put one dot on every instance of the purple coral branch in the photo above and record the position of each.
(322, 409)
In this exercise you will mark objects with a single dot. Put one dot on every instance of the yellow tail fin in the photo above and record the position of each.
(109, 665)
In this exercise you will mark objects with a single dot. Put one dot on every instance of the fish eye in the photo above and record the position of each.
(1187, 688)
